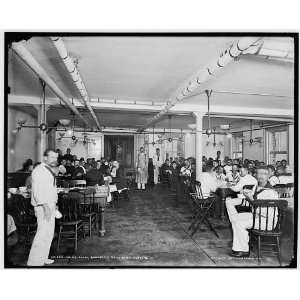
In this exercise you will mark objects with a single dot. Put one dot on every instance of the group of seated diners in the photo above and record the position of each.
(233, 176)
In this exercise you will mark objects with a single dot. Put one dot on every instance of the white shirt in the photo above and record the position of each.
(285, 179)
(62, 169)
(228, 169)
(245, 180)
(43, 188)
(157, 160)
(11, 226)
(274, 180)
(208, 183)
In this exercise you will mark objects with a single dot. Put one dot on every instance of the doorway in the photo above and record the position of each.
(120, 148)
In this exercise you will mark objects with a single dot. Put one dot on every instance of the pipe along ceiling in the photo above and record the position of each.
(227, 56)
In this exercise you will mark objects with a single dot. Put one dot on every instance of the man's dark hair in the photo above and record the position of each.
(271, 167)
(47, 151)
(208, 167)
(244, 166)
(262, 167)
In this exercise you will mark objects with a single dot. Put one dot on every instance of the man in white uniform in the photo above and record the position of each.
(157, 163)
(242, 221)
(245, 179)
(43, 199)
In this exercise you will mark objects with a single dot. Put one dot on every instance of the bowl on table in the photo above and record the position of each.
(12, 190)
(23, 189)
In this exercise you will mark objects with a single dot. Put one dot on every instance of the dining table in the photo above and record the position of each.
(224, 191)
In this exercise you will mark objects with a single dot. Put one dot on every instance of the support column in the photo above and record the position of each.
(198, 142)
(291, 145)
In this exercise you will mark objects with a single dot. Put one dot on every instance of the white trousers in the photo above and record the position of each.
(40, 248)
(240, 222)
(156, 173)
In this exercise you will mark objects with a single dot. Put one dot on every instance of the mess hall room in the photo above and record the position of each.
(147, 150)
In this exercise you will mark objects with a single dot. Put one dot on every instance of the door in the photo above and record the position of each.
(120, 148)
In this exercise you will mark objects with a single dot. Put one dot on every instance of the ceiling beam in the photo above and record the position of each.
(29, 60)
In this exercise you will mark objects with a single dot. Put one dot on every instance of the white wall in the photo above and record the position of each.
(86, 151)
(256, 150)
(22, 145)
(207, 150)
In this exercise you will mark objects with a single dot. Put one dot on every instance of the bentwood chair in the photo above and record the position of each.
(88, 209)
(24, 216)
(285, 190)
(70, 225)
(268, 217)
(202, 209)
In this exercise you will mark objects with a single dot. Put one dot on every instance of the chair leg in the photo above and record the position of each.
(76, 236)
(90, 226)
(278, 249)
(59, 237)
(258, 249)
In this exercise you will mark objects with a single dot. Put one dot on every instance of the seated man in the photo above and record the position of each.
(228, 167)
(220, 176)
(208, 181)
(234, 176)
(242, 221)
(273, 179)
(62, 167)
(94, 175)
(12, 237)
(245, 179)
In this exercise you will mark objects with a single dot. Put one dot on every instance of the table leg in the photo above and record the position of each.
(101, 222)
(223, 199)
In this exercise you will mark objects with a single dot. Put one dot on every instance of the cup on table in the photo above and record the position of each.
(23, 189)
(12, 190)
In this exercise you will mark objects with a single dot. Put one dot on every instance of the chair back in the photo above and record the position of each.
(69, 206)
(268, 215)
(285, 190)
(22, 209)
(196, 190)
(77, 183)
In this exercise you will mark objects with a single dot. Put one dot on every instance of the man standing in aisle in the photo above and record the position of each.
(157, 162)
(43, 199)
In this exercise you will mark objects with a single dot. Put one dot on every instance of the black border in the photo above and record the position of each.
(17, 36)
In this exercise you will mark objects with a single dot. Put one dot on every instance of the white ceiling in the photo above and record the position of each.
(152, 68)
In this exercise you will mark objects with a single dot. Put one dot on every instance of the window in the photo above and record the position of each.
(237, 146)
(277, 139)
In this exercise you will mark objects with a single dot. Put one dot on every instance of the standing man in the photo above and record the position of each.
(142, 170)
(43, 199)
(68, 155)
(157, 163)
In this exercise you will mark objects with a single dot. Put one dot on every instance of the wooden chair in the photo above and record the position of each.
(70, 225)
(88, 208)
(285, 190)
(268, 218)
(24, 216)
(202, 209)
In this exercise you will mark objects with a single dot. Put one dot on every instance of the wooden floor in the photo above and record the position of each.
(151, 230)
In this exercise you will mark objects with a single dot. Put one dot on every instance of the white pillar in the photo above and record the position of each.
(291, 145)
(198, 143)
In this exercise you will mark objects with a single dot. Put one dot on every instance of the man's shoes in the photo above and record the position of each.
(49, 261)
(240, 253)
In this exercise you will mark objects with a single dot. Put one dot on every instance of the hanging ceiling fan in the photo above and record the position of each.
(252, 140)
